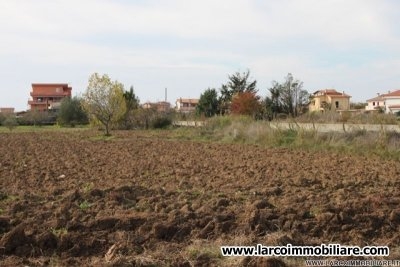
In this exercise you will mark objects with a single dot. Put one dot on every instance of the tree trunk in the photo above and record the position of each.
(107, 129)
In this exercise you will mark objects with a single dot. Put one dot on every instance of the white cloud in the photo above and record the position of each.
(195, 42)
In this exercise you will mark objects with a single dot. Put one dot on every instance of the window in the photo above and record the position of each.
(337, 104)
(373, 103)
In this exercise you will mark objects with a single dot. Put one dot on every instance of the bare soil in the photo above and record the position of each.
(67, 199)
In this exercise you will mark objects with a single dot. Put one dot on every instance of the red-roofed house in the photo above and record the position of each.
(47, 96)
(376, 103)
(161, 106)
(390, 102)
(329, 99)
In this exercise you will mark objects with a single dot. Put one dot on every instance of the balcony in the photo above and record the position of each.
(50, 94)
(37, 103)
(186, 109)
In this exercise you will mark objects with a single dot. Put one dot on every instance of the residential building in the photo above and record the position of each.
(48, 96)
(186, 105)
(389, 103)
(161, 106)
(376, 103)
(329, 99)
(7, 110)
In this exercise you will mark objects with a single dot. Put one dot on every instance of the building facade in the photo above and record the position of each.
(376, 104)
(329, 99)
(161, 106)
(7, 110)
(388, 103)
(48, 96)
(186, 105)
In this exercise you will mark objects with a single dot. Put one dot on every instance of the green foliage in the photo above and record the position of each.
(84, 205)
(37, 118)
(71, 112)
(287, 97)
(132, 105)
(356, 141)
(143, 117)
(161, 122)
(104, 101)
(358, 118)
(208, 103)
(10, 122)
(2, 118)
(238, 83)
(358, 105)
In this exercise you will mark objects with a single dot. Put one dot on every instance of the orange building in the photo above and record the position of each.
(161, 106)
(7, 110)
(48, 96)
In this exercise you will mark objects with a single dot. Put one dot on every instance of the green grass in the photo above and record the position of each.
(84, 205)
(59, 232)
(44, 128)
(247, 131)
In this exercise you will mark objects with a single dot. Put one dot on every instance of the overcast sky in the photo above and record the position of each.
(188, 46)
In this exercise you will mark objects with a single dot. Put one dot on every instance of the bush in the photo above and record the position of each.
(10, 122)
(2, 118)
(161, 122)
(37, 118)
(71, 112)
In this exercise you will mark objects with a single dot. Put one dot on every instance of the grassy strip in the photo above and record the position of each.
(37, 128)
(247, 131)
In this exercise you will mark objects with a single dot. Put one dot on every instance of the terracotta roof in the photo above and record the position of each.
(394, 106)
(378, 98)
(50, 84)
(394, 93)
(188, 100)
(331, 92)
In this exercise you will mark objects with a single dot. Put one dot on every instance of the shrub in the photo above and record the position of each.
(2, 118)
(161, 122)
(71, 112)
(10, 122)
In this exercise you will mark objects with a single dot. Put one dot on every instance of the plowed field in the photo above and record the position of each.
(67, 199)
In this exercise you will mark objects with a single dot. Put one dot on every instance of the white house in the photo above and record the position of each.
(392, 101)
(376, 103)
(186, 105)
(389, 103)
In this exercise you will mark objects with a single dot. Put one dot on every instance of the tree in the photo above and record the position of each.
(208, 103)
(10, 122)
(36, 118)
(131, 104)
(273, 104)
(2, 118)
(287, 97)
(104, 101)
(245, 103)
(238, 83)
(71, 112)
